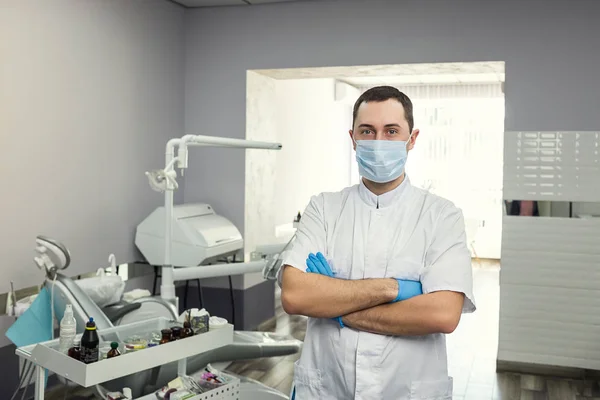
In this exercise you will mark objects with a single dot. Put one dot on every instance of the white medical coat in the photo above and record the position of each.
(406, 233)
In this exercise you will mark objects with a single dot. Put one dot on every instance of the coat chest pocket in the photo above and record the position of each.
(409, 268)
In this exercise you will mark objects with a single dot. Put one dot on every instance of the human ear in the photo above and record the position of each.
(352, 138)
(413, 139)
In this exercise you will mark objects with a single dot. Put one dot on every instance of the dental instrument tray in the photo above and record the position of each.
(46, 355)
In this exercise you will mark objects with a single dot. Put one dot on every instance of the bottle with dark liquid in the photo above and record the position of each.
(176, 333)
(114, 350)
(75, 352)
(166, 336)
(187, 330)
(89, 343)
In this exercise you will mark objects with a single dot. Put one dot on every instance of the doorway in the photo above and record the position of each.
(459, 153)
(458, 107)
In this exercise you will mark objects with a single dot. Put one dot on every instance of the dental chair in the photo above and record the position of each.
(54, 256)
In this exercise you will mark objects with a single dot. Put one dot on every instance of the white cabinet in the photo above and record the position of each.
(550, 292)
(550, 275)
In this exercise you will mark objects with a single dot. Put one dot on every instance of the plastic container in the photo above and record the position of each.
(217, 323)
(135, 343)
(68, 330)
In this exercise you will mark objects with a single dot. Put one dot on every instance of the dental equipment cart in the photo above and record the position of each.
(45, 356)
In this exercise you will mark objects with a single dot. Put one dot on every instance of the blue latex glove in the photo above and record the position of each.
(408, 289)
(317, 264)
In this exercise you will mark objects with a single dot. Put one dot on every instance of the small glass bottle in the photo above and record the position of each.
(187, 330)
(114, 350)
(75, 352)
(166, 336)
(176, 332)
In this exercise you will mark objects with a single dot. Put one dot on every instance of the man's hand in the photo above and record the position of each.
(317, 264)
(408, 289)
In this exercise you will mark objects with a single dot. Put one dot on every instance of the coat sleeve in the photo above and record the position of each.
(310, 236)
(448, 259)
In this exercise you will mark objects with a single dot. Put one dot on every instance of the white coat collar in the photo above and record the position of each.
(386, 199)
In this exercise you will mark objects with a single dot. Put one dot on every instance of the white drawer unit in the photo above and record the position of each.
(550, 292)
(560, 166)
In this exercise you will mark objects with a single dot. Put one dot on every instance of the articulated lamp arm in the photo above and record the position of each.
(169, 176)
(213, 141)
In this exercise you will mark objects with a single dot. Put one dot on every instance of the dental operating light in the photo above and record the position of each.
(165, 180)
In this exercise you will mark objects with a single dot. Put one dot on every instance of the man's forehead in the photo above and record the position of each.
(373, 112)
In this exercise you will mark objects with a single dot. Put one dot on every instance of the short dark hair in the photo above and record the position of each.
(383, 93)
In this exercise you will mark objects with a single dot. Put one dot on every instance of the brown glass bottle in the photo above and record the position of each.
(187, 330)
(114, 350)
(75, 352)
(166, 336)
(176, 333)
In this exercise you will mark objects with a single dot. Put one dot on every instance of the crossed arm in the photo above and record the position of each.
(365, 304)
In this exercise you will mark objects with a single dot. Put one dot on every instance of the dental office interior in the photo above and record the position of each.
(159, 154)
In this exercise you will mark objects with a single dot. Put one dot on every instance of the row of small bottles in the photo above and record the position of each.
(89, 349)
(176, 333)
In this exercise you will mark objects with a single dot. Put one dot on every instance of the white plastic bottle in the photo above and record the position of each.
(68, 330)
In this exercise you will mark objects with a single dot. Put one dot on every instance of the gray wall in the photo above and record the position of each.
(550, 49)
(90, 91)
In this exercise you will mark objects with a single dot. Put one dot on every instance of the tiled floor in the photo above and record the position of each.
(471, 355)
(275, 372)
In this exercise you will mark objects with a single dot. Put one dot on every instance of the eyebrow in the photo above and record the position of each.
(386, 125)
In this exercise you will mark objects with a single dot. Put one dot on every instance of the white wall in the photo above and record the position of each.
(304, 116)
(551, 59)
(313, 129)
(90, 91)
(261, 117)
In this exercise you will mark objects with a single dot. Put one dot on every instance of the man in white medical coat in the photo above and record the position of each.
(358, 256)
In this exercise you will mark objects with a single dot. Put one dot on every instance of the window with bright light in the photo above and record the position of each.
(459, 154)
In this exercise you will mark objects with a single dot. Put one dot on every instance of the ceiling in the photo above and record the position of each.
(419, 79)
(220, 3)
(399, 74)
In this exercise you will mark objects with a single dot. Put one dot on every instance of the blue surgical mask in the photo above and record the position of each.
(381, 160)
